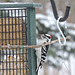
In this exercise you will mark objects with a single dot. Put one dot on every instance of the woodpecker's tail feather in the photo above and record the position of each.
(37, 70)
(40, 66)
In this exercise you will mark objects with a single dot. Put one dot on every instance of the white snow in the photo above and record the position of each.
(72, 65)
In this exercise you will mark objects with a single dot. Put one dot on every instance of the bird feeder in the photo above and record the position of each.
(17, 27)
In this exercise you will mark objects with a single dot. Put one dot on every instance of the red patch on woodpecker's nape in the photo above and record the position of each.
(50, 36)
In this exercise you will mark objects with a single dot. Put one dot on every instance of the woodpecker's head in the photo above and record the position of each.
(46, 36)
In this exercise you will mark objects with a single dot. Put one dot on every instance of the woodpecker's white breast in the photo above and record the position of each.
(38, 52)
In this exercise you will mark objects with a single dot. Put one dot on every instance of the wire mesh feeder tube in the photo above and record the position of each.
(16, 28)
(13, 31)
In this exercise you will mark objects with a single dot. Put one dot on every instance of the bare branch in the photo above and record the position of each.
(32, 46)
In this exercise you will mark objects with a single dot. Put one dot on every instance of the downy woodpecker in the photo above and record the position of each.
(44, 50)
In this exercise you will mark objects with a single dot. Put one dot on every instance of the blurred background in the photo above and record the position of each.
(60, 59)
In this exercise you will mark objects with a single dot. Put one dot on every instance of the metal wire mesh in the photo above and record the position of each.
(13, 32)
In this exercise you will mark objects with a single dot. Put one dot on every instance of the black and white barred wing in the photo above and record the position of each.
(44, 51)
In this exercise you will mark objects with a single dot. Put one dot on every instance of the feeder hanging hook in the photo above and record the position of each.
(61, 33)
(56, 14)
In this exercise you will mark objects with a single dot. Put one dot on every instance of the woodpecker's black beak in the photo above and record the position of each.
(43, 36)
